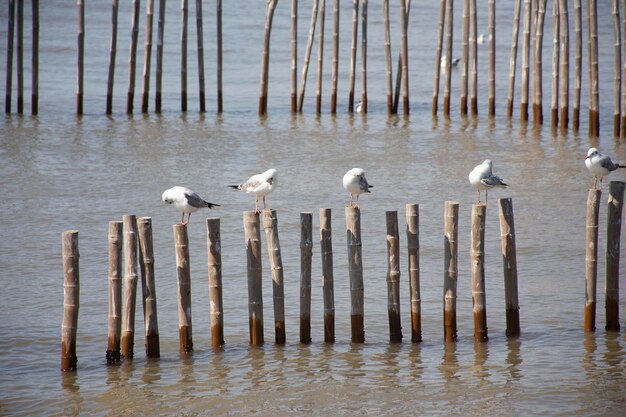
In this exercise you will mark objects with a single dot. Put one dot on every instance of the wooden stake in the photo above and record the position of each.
(388, 69)
(159, 58)
(513, 59)
(442, 20)
(184, 15)
(307, 55)
(130, 96)
(564, 71)
(404, 55)
(306, 253)
(353, 47)
(220, 106)
(115, 292)
(35, 59)
(592, 43)
(578, 59)
(328, 291)
(492, 57)
(200, 42)
(355, 270)
(413, 246)
(147, 54)
(270, 7)
(450, 270)
(591, 259)
(473, 59)
(183, 279)
(270, 225)
(525, 60)
(252, 233)
(20, 52)
(9, 76)
(537, 77)
(214, 250)
(448, 74)
(112, 56)
(556, 29)
(130, 285)
(509, 263)
(396, 95)
(613, 232)
(465, 57)
(335, 68)
(364, 56)
(617, 88)
(294, 56)
(71, 292)
(148, 285)
(81, 58)
(320, 58)
(477, 256)
(393, 277)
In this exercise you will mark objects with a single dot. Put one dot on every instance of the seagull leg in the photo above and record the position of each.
(357, 201)
(182, 219)
(256, 205)
(486, 196)
(264, 205)
(478, 194)
(595, 180)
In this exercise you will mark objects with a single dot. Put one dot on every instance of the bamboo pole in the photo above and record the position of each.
(115, 292)
(112, 56)
(355, 270)
(307, 55)
(328, 291)
(270, 7)
(396, 96)
(147, 54)
(200, 42)
(413, 249)
(556, 29)
(159, 58)
(509, 263)
(364, 57)
(448, 68)
(81, 57)
(578, 59)
(130, 285)
(71, 293)
(617, 93)
(34, 106)
(220, 106)
(20, 53)
(564, 72)
(623, 116)
(442, 19)
(592, 26)
(184, 15)
(183, 279)
(294, 56)
(306, 253)
(465, 57)
(335, 67)
(473, 59)
(214, 252)
(492, 57)
(393, 277)
(525, 60)
(513, 59)
(252, 232)
(130, 97)
(477, 255)
(537, 77)
(404, 25)
(353, 47)
(613, 232)
(450, 270)
(148, 285)
(9, 75)
(388, 64)
(591, 258)
(270, 225)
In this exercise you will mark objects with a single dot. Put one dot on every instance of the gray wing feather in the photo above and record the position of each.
(493, 181)
(194, 200)
(605, 162)
(363, 185)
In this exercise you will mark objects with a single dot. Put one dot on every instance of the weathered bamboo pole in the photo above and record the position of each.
(270, 225)
(355, 270)
(335, 67)
(184, 15)
(148, 285)
(34, 105)
(81, 58)
(442, 19)
(112, 56)
(564, 72)
(307, 54)
(270, 7)
(220, 106)
(130, 285)
(448, 67)
(513, 59)
(159, 58)
(200, 42)
(20, 54)
(492, 57)
(450, 269)
(328, 291)
(364, 57)
(473, 59)
(525, 60)
(115, 292)
(183, 279)
(388, 64)
(306, 253)
(252, 232)
(353, 47)
(613, 233)
(591, 258)
(294, 56)
(413, 252)
(403, 65)
(578, 59)
(556, 28)
(509, 263)
(465, 56)
(477, 256)
(623, 115)
(214, 252)
(592, 26)
(71, 293)
(130, 96)
(147, 55)
(393, 277)
(9, 75)
(617, 93)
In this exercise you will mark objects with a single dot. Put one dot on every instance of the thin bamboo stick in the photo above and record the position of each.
(450, 269)
(578, 59)
(214, 251)
(413, 249)
(112, 56)
(393, 277)
(492, 57)
(20, 53)
(184, 15)
(556, 29)
(477, 256)
(71, 292)
(130, 96)
(592, 26)
(130, 285)
(591, 259)
(147, 54)
(270, 225)
(353, 47)
(220, 106)
(389, 77)
(183, 279)
(252, 232)
(328, 291)
(509, 263)
(307, 55)
(623, 116)
(513, 59)
(473, 59)
(9, 75)
(306, 253)
(200, 42)
(335, 67)
(564, 72)
(148, 285)
(159, 58)
(270, 7)
(537, 77)
(396, 96)
(115, 292)
(442, 19)
(404, 55)
(355, 270)
(294, 56)
(81, 57)
(448, 68)
(525, 60)
(613, 232)
(34, 106)
(617, 93)
(364, 57)
(465, 56)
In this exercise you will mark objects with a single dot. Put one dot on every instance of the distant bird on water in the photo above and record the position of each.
(600, 165)
(260, 185)
(186, 201)
(355, 183)
(482, 178)
(453, 63)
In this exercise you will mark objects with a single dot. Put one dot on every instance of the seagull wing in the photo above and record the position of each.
(606, 163)
(363, 185)
(493, 181)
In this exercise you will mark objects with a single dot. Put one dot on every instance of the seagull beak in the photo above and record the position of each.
(587, 157)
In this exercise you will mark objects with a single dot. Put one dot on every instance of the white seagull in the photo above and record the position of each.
(600, 165)
(355, 183)
(482, 178)
(259, 185)
(185, 201)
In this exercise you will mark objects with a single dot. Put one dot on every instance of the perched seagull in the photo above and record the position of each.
(259, 185)
(355, 183)
(482, 178)
(481, 39)
(599, 165)
(186, 201)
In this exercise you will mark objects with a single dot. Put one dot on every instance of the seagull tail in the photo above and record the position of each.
(234, 187)
(211, 205)
(621, 166)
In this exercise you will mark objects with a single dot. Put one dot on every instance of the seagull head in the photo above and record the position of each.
(592, 152)
(167, 197)
(357, 172)
(487, 162)
(270, 175)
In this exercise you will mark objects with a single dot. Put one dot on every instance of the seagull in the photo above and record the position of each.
(482, 178)
(481, 39)
(186, 201)
(599, 165)
(355, 183)
(259, 185)
(454, 62)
